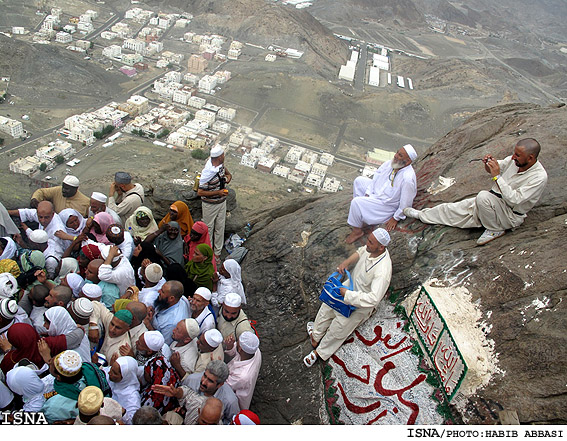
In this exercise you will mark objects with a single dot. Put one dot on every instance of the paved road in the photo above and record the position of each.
(360, 74)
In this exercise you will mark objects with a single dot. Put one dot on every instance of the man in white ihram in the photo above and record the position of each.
(382, 199)
(371, 279)
(518, 183)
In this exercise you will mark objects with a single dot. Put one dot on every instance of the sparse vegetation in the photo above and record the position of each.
(199, 154)
(43, 167)
(104, 132)
(163, 134)
(59, 159)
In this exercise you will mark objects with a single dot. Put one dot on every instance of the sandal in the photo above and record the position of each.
(310, 359)
(310, 326)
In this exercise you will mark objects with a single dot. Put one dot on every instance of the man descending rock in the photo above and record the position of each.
(382, 199)
(519, 181)
(65, 196)
(213, 193)
(371, 278)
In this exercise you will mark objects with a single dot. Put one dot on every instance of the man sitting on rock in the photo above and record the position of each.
(382, 199)
(518, 183)
(371, 278)
(65, 196)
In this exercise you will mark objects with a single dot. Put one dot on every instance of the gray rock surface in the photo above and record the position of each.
(520, 277)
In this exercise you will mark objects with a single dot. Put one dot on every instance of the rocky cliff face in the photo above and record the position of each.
(519, 280)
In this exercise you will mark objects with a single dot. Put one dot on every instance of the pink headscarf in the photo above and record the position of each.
(104, 220)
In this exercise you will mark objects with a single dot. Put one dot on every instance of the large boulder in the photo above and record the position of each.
(517, 281)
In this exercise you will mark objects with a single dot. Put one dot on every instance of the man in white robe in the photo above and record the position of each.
(116, 269)
(371, 278)
(184, 347)
(518, 183)
(244, 368)
(381, 200)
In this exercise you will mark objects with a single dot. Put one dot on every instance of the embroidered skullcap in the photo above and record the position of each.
(216, 151)
(153, 272)
(233, 300)
(122, 178)
(248, 342)
(8, 285)
(90, 400)
(204, 292)
(8, 308)
(213, 337)
(104, 250)
(246, 418)
(410, 151)
(192, 327)
(68, 363)
(39, 236)
(98, 197)
(154, 340)
(382, 236)
(124, 315)
(71, 181)
(82, 307)
(92, 291)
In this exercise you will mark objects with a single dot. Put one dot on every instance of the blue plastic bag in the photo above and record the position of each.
(330, 295)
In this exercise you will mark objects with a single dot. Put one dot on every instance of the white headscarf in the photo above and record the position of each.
(68, 265)
(234, 284)
(66, 214)
(75, 282)
(25, 382)
(10, 249)
(61, 323)
(127, 391)
(209, 172)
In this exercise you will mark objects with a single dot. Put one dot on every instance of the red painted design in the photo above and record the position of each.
(353, 407)
(385, 339)
(380, 415)
(385, 357)
(350, 374)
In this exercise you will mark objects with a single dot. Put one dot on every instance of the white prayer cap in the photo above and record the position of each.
(92, 291)
(410, 151)
(153, 272)
(24, 381)
(39, 236)
(98, 197)
(8, 308)
(382, 236)
(8, 285)
(233, 300)
(154, 340)
(192, 326)
(213, 337)
(82, 307)
(204, 292)
(104, 250)
(68, 363)
(216, 151)
(71, 181)
(248, 342)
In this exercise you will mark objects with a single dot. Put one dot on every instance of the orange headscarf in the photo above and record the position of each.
(184, 218)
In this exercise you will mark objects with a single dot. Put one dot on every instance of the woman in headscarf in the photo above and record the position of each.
(98, 226)
(175, 271)
(199, 234)
(59, 322)
(200, 269)
(69, 265)
(141, 223)
(169, 244)
(8, 248)
(23, 339)
(179, 212)
(9, 266)
(229, 280)
(31, 259)
(25, 382)
(123, 380)
(74, 224)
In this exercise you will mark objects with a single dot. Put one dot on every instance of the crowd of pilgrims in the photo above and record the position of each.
(137, 321)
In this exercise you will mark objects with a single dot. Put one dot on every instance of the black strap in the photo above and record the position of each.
(141, 198)
(498, 195)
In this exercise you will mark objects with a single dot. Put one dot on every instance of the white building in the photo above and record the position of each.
(178, 139)
(93, 14)
(205, 115)
(85, 27)
(267, 164)
(331, 185)
(270, 57)
(12, 127)
(374, 77)
(369, 171)
(113, 51)
(269, 144)
(327, 159)
(294, 154)
(181, 96)
(63, 37)
(207, 84)
(221, 127)
(233, 54)
(165, 22)
(303, 167)
(196, 102)
(18, 30)
(297, 176)
(281, 170)
(314, 180)
(107, 35)
(381, 62)
(70, 29)
(227, 113)
(319, 169)
(310, 157)
(400, 81)
(191, 79)
(135, 45)
(27, 166)
(248, 160)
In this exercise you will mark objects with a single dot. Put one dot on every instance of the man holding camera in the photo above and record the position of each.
(518, 183)
(212, 191)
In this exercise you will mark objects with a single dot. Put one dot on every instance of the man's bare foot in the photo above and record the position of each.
(356, 234)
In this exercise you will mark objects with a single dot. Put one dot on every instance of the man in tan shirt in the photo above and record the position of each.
(65, 196)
